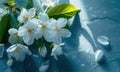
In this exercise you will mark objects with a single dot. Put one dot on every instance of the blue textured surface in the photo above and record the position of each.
(97, 17)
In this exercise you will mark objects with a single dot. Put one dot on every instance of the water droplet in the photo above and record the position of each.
(1, 50)
(103, 40)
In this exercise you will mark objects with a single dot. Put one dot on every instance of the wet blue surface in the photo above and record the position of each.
(97, 18)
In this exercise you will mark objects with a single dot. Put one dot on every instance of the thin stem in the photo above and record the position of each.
(46, 9)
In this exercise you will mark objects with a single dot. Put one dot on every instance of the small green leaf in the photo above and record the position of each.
(5, 23)
(63, 10)
(3, 26)
(29, 4)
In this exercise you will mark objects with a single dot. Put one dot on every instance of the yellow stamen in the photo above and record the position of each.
(26, 18)
(44, 26)
(17, 50)
(29, 31)
(57, 30)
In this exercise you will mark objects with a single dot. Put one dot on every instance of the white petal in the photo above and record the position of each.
(31, 25)
(10, 62)
(11, 48)
(38, 33)
(28, 52)
(32, 12)
(20, 19)
(57, 50)
(29, 40)
(103, 40)
(49, 2)
(22, 31)
(17, 51)
(35, 21)
(43, 51)
(22, 15)
(55, 56)
(44, 67)
(12, 39)
(38, 5)
(12, 31)
(65, 33)
(57, 39)
(99, 56)
(61, 22)
(24, 12)
(47, 36)
(43, 17)
(25, 49)
(20, 57)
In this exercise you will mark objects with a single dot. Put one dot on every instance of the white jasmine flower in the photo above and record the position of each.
(43, 51)
(57, 50)
(29, 32)
(38, 5)
(49, 2)
(18, 51)
(14, 37)
(25, 15)
(44, 26)
(44, 66)
(59, 31)
(2, 13)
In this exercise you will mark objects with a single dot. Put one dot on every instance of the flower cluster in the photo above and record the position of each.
(35, 25)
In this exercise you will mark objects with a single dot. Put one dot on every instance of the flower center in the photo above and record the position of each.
(17, 36)
(17, 50)
(57, 30)
(26, 18)
(29, 31)
(44, 26)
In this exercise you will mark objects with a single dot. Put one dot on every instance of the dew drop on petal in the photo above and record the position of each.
(103, 40)
(1, 50)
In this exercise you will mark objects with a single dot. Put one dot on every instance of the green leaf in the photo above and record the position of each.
(3, 26)
(29, 4)
(5, 23)
(63, 10)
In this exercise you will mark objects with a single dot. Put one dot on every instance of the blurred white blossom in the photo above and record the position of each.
(26, 15)
(38, 5)
(18, 51)
(44, 66)
(14, 37)
(43, 51)
(58, 30)
(57, 50)
(10, 62)
(29, 32)
(49, 2)
(44, 25)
